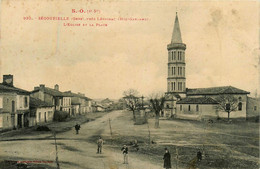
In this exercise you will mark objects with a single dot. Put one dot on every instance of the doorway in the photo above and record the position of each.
(19, 121)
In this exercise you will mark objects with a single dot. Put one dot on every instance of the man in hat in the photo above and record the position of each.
(125, 153)
(100, 144)
(77, 128)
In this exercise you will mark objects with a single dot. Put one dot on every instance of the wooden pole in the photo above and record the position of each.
(177, 157)
(110, 126)
(56, 148)
(149, 133)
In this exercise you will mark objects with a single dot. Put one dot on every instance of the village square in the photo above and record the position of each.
(54, 127)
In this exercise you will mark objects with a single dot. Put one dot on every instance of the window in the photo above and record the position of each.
(189, 108)
(39, 118)
(239, 99)
(239, 106)
(174, 55)
(183, 71)
(20, 102)
(25, 102)
(174, 72)
(197, 107)
(255, 108)
(180, 55)
(227, 106)
(13, 106)
(180, 70)
(1, 102)
(180, 107)
(174, 86)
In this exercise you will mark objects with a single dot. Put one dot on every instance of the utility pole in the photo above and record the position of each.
(177, 157)
(110, 126)
(56, 148)
(142, 101)
(149, 133)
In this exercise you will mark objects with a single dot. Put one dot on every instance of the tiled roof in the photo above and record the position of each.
(52, 92)
(199, 100)
(69, 93)
(216, 90)
(36, 103)
(6, 88)
(106, 101)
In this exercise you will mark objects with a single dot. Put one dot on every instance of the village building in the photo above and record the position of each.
(80, 103)
(14, 105)
(40, 112)
(60, 100)
(198, 103)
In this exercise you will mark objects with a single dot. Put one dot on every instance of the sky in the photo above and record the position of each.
(222, 39)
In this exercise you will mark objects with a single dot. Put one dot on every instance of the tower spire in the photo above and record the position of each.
(176, 34)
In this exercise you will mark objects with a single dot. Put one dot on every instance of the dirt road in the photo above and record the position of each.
(74, 151)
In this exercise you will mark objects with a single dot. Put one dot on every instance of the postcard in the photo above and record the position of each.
(129, 84)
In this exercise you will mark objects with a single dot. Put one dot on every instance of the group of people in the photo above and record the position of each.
(124, 149)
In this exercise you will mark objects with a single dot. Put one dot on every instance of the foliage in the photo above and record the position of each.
(131, 100)
(157, 101)
(227, 103)
(60, 116)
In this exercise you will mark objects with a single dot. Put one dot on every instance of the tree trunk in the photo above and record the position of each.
(157, 120)
(134, 115)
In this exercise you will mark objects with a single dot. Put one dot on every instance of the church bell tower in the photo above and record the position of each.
(176, 81)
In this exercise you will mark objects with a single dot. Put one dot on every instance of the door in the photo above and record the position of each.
(45, 117)
(19, 121)
(13, 120)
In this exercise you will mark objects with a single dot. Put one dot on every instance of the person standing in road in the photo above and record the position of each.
(77, 128)
(167, 159)
(100, 144)
(125, 153)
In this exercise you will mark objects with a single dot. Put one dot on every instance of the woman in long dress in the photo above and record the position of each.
(167, 159)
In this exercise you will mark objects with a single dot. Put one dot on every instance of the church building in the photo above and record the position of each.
(197, 103)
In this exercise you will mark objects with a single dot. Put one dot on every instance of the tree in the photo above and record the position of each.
(157, 101)
(227, 103)
(132, 100)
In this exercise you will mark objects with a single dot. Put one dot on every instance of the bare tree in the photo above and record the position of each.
(132, 100)
(157, 101)
(227, 103)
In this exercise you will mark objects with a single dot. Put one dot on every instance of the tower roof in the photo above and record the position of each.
(176, 34)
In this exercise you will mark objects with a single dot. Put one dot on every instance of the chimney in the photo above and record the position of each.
(42, 86)
(81, 94)
(8, 80)
(56, 87)
(36, 88)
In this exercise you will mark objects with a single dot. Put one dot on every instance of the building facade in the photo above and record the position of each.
(60, 100)
(14, 105)
(40, 112)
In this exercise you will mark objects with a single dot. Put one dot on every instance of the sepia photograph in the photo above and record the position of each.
(129, 84)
